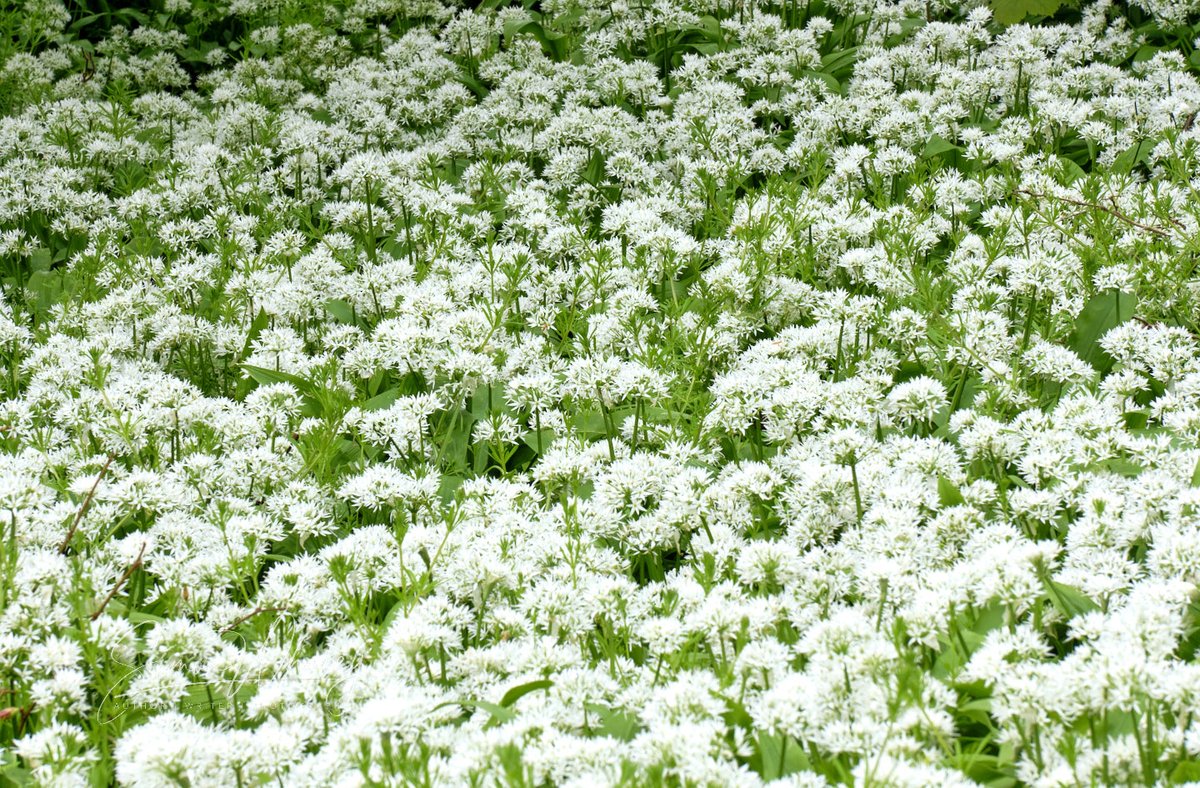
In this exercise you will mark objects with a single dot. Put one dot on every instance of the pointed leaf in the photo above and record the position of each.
(521, 690)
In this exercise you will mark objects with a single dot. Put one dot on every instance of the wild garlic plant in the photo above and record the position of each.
(571, 393)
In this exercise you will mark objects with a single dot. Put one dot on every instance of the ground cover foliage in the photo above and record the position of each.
(686, 392)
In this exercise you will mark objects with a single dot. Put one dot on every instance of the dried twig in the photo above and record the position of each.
(238, 622)
(1111, 211)
(87, 501)
(129, 570)
(20, 712)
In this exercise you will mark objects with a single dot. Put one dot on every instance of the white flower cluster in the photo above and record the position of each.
(585, 393)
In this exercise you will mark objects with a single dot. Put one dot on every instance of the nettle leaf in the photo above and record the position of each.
(1103, 313)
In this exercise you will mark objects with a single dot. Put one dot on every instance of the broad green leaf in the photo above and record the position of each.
(1185, 772)
(840, 63)
(500, 714)
(474, 85)
(613, 723)
(485, 400)
(15, 775)
(1068, 600)
(41, 259)
(553, 44)
(1135, 419)
(266, 376)
(450, 484)
(1131, 157)
(342, 311)
(382, 400)
(533, 437)
(977, 710)
(1010, 12)
(938, 145)
(1121, 467)
(781, 756)
(1073, 171)
(393, 613)
(1104, 312)
(828, 80)
(589, 422)
(257, 325)
(948, 493)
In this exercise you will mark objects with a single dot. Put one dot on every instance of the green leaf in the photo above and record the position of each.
(977, 710)
(839, 64)
(979, 704)
(1121, 467)
(948, 493)
(46, 287)
(264, 377)
(1068, 600)
(260, 322)
(15, 775)
(392, 614)
(1185, 772)
(40, 259)
(1135, 419)
(613, 723)
(1072, 170)
(474, 85)
(595, 169)
(521, 690)
(342, 311)
(553, 44)
(450, 484)
(1131, 157)
(1104, 312)
(480, 401)
(1196, 475)
(589, 422)
(781, 756)
(382, 400)
(500, 715)
(937, 146)
(530, 438)
(829, 80)
(1010, 12)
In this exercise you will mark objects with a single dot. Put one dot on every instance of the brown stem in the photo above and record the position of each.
(87, 501)
(1150, 228)
(129, 570)
(237, 623)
